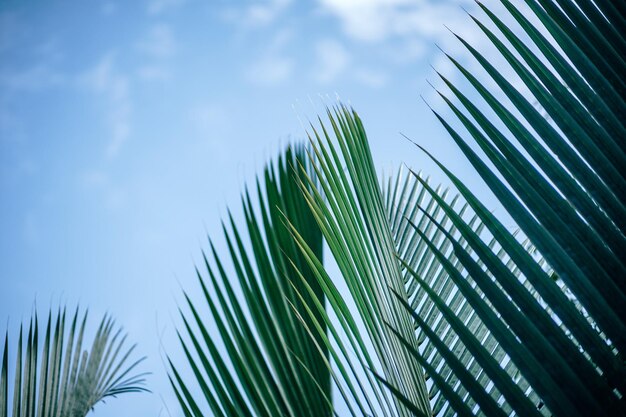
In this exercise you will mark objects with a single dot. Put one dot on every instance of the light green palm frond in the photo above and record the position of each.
(63, 377)
(410, 207)
(350, 210)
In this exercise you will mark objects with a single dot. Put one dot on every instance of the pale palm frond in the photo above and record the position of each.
(437, 303)
(64, 377)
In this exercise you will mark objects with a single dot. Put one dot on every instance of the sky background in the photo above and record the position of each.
(128, 128)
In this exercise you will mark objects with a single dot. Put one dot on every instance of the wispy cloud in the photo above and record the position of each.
(159, 42)
(35, 78)
(275, 65)
(400, 32)
(378, 20)
(157, 45)
(258, 14)
(371, 78)
(105, 80)
(153, 72)
(270, 70)
(159, 6)
(108, 8)
(411, 27)
(332, 59)
(39, 72)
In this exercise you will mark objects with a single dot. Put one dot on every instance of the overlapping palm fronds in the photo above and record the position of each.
(499, 328)
(567, 197)
(509, 335)
(63, 377)
(447, 311)
(440, 309)
(350, 210)
(565, 336)
(467, 363)
(267, 362)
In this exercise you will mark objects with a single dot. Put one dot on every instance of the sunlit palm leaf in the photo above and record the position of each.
(63, 378)
(268, 363)
(350, 210)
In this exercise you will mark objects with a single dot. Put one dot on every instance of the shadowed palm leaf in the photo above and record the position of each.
(568, 197)
(274, 366)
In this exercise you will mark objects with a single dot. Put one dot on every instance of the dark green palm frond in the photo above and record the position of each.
(566, 335)
(268, 364)
(63, 378)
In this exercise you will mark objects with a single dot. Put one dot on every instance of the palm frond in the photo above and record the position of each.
(501, 334)
(349, 208)
(447, 311)
(565, 336)
(268, 363)
(437, 306)
(62, 377)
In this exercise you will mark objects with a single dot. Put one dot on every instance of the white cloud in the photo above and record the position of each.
(413, 23)
(159, 6)
(35, 78)
(274, 66)
(159, 42)
(108, 8)
(332, 60)
(280, 40)
(365, 19)
(105, 80)
(371, 78)
(376, 20)
(153, 73)
(258, 14)
(270, 70)
(408, 51)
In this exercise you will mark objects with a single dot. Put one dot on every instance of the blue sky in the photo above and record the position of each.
(127, 129)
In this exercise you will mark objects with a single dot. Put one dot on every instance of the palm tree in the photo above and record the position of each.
(67, 380)
(447, 311)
